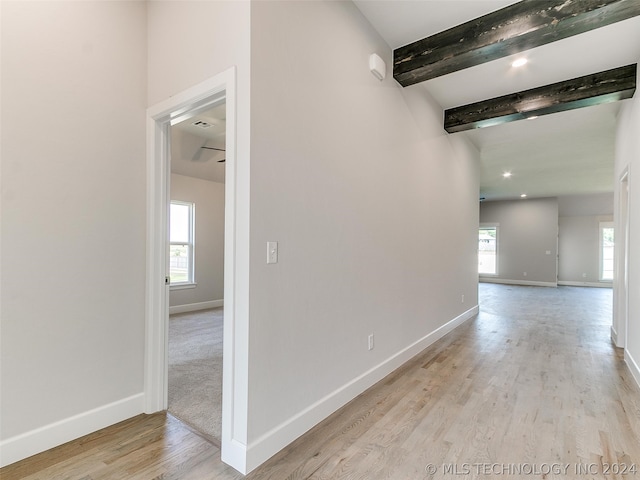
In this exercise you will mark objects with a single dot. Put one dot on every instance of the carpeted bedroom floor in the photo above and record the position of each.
(195, 370)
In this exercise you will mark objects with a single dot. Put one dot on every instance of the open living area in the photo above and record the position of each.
(531, 384)
(319, 239)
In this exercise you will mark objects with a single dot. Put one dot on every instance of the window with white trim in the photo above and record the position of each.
(488, 250)
(181, 240)
(606, 251)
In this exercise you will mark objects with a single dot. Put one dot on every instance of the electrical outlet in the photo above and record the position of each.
(371, 342)
(524, 274)
(272, 252)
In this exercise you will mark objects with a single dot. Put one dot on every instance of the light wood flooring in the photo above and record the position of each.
(532, 383)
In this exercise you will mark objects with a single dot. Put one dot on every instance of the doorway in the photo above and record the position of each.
(160, 118)
(196, 270)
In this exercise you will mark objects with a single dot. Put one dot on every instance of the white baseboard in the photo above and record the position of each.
(35, 441)
(633, 366)
(567, 283)
(234, 454)
(526, 283)
(194, 307)
(275, 440)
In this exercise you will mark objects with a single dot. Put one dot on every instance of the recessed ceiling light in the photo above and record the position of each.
(506, 174)
(519, 62)
(533, 117)
(524, 195)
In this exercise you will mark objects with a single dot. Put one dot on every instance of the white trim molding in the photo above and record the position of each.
(182, 286)
(621, 258)
(199, 98)
(35, 441)
(525, 283)
(633, 366)
(565, 283)
(279, 437)
(194, 307)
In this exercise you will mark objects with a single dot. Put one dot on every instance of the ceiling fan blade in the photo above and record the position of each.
(197, 156)
(214, 148)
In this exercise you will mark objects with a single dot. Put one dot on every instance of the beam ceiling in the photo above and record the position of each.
(510, 30)
(595, 89)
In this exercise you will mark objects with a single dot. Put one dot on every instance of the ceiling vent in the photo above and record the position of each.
(202, 124)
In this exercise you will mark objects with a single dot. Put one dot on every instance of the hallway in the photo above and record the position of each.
(533, 382)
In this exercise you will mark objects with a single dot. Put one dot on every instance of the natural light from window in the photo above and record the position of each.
(181, 228)
(606, 251)
(487, 250)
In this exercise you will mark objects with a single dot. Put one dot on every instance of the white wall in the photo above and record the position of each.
(208, 198)
(73, 219)
(584, 205)
(628, 157)
(193, 40)
(528, 230)
(579, 250)
(190, 42)
(579, 237)
(374, 207)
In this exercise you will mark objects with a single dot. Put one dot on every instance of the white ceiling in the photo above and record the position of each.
(567, 153)
(401, 22)
(187, 139)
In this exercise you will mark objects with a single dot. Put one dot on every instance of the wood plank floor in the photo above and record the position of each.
(531, 388)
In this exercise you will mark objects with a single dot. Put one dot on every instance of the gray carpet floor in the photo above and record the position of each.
(195, 370)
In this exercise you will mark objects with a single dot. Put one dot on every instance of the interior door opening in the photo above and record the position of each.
(196, 268)
(160, 118)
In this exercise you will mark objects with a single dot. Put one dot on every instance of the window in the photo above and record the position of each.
(181, 234)
(488, 250)
(606, 251)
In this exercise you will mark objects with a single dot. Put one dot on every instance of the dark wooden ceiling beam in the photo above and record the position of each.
(510, 30)
(603, 87)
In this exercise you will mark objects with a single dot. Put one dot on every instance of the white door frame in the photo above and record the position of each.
(621, 299)
(160, 117)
